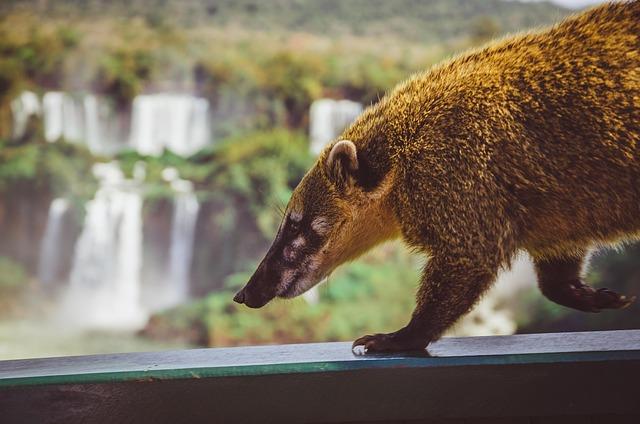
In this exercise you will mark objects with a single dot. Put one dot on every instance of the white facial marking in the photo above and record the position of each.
(298, 242)
(320, 225)
(295, 216)
(304, 281)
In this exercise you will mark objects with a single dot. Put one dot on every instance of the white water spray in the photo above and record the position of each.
(174, 289)
(53, 115)
(104, 288)
(179, 123)
(50, 255)
(328, 118)
(176, 122)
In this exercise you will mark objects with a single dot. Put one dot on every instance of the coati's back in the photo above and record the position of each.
(553, 117)
(566, 78)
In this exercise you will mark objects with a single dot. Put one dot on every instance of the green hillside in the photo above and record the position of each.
(427, 21)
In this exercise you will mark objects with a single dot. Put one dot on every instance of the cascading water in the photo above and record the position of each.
(179, 123)
(50, 258)
(104, 289)
(53, 115)
(328, 118)
(105, 279)
(102, 127)
(174, 288)
(176, 122)
(182, 237)
(81, 119)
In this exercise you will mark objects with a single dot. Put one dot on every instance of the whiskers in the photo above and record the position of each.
(279, 208)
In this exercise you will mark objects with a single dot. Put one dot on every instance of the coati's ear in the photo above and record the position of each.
(342, 164)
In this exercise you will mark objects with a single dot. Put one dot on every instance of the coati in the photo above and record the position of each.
(532, 142)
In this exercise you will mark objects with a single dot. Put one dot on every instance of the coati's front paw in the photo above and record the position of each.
(400, 341)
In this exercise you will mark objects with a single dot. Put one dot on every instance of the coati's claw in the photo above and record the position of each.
(585, 298)
(608, 299)
(391, 342)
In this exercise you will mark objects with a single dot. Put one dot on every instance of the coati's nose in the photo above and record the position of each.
(239, 297)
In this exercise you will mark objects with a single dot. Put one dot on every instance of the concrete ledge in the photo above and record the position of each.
(522, 377)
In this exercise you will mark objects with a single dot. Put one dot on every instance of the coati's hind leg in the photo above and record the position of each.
(560, 281)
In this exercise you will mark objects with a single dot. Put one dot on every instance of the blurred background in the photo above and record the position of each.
(147, 148)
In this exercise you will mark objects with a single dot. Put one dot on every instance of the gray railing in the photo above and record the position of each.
(562, 377)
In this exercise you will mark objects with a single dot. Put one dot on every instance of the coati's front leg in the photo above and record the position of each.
(450, 287)
(559, 280)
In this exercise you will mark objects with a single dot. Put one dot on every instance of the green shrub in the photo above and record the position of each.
(13, 276)
(123, 73)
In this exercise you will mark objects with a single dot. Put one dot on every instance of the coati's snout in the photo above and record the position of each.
(291, 266)
(258, 291)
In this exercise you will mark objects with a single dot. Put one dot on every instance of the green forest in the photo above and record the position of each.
(275, 58)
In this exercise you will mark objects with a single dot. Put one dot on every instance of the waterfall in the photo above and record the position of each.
(82, 119)
(181, 252)
(73, 119)
(64, 117)
(52, 111)
(50, 259)
(102, 131)
(176, 122)
(104, 288)
(328, 118)
(175, 287)
(179, 123)
(22, 108)
(105, 282)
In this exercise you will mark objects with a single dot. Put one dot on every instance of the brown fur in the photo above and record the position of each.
(529, 143)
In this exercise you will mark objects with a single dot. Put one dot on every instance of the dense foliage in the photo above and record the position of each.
(12, 276)
(60, 169)
(433, 21)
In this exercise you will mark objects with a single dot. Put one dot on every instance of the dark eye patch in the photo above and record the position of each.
(294, 226)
